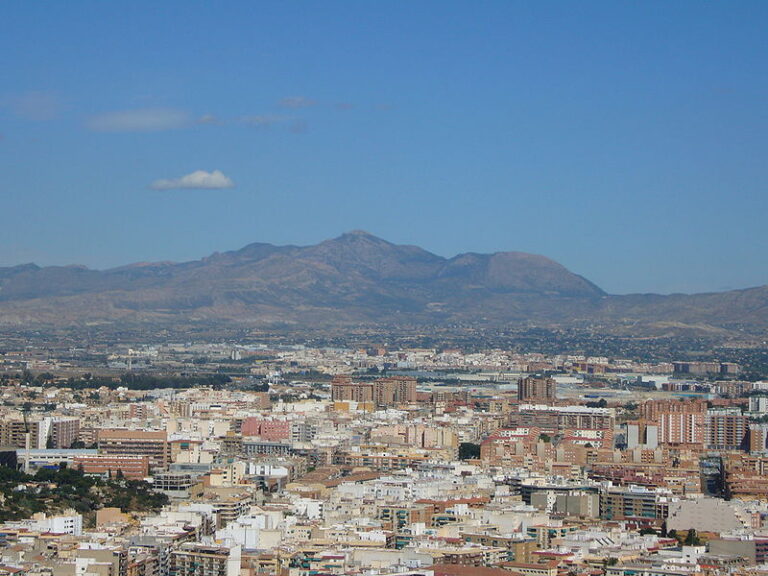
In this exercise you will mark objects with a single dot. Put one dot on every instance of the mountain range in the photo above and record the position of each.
(356, 278)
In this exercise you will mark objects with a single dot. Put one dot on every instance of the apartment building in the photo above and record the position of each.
(266, 428)
(125, 442)
(193, 559)
(633, 503)
(725, 429)
(679, 421)
(536, 390)
(107, 561)
(383, 392)
(381, 460)
(758, 438)
(133, 467)
(13, 433)
(63, 431)
(519, 547)
(557, 419)
(397, 517)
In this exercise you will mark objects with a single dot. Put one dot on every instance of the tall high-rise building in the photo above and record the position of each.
(679, 422)
(758, 438)
(726, 429)
(63, 431)
(536, 390)
(344, 390)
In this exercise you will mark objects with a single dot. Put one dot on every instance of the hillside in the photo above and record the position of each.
(356, 278)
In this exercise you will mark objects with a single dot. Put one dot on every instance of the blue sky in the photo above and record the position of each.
(626, 140)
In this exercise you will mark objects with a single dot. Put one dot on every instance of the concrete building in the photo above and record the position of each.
(52, 457)
(758, 403)
(383, 392)
(200, 560)
(632, 503)
(63, 431)
(725, 429)
(13, 433)
(577, 504)
(558, 419)
(102, 560)
(519, 547)
(134, 467)
(266, 428)
(706, 368)
(679, 422)
(642, 434)
(125, 442)
(758, 438)
(174, 484)
(537, 390)
(68, 522)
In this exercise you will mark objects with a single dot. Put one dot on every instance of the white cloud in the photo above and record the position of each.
(200, 180)
(209, 119)
(141, 120)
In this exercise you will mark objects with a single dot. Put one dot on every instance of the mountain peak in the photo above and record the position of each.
(354, 278)
(356, 240)
(360, 235)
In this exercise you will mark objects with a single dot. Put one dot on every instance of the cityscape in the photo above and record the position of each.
(384, 289)
(291, 459)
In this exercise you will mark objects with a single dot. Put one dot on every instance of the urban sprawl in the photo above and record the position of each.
(245, 460)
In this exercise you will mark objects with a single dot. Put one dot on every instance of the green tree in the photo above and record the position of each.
(44, 377)
(602, 403)
(469, 451)
(692, 539)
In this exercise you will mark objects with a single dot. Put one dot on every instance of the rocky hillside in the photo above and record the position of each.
(355, 278)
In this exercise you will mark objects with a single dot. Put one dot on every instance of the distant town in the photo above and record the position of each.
(228, 459)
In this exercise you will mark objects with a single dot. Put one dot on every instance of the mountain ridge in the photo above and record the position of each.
(353, 278)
